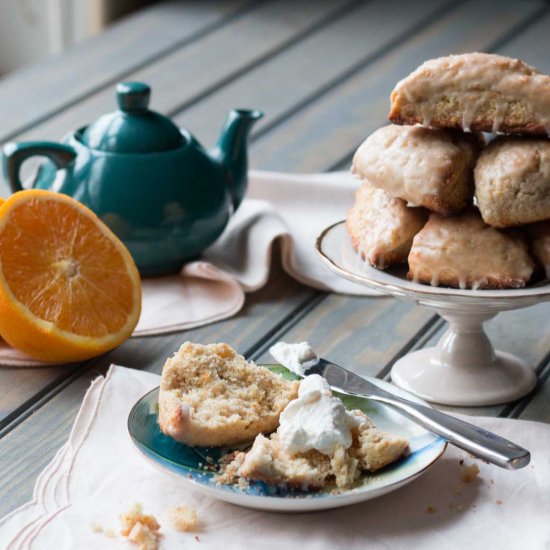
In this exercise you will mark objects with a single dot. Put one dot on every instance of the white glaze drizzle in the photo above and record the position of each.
(502, 79)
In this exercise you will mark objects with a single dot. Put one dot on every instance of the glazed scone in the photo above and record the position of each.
(464, 252)
(424, 167)
(211, 396)
(538, 237)
(476, 92)
(512, 180)
(382, 227)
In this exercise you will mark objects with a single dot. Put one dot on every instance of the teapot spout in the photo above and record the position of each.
(231, 150)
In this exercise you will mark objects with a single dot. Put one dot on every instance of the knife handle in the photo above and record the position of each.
(477, 441)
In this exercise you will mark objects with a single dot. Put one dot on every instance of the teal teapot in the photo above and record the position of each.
(153, 184)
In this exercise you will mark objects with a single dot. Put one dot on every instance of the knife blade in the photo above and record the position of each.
(477, 441)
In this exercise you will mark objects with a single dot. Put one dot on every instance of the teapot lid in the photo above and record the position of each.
(133, 128)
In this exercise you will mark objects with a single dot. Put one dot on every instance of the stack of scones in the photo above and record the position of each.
(462, 212)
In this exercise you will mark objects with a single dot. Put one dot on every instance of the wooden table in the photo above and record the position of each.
(322, 72)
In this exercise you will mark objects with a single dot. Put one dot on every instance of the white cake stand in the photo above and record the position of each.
(463, 369)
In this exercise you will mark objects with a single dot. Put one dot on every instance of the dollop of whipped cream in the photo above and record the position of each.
(316, 420)
(294, 357)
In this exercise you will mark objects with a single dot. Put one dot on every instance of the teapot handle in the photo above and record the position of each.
(15, 154)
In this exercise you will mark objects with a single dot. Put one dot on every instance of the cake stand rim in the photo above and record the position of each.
(513, 298)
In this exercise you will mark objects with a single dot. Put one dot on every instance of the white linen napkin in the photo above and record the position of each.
(98, 474)
(292, 207)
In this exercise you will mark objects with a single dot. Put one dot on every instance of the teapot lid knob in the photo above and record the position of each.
(133, 128)
(133, 96)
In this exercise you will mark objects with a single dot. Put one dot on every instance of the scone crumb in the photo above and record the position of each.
(110, 533)
(470, 473)
(96, 527)
(183, 518)
(144, 536)
(457, 490)
(136, 515)
(197, 538)
(431, 509)
(243, 484)
(140, 528)
(499, 502)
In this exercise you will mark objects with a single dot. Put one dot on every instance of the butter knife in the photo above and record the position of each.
(477, 441)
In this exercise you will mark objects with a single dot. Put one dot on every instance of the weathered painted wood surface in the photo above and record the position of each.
(21, 389)
(180, 78)
(346, 114)
(39, 92)
(322, 71)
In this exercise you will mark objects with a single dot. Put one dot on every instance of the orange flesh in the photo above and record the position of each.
(64, 269)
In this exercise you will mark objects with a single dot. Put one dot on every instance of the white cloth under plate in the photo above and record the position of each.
(292, 207)
(98, 474)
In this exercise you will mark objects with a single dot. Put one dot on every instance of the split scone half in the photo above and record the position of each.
(512, 181)
(424, 167)
(267, 460)
(211, 396)
(476, 92)
(538, 237)
(464, 252)
(382, 227)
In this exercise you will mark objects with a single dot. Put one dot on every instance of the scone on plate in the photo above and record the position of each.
(464, 252)
(270, 462)
(424, 167)
(476, 92)
(538, 237)
(211, 396)
(512, 180)
(267, 461)
(382, 227)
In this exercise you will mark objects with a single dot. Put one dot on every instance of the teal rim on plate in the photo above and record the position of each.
(194, 464)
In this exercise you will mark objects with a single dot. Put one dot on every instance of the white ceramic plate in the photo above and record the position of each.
(184, 462)
(336, 250)
(463, 369)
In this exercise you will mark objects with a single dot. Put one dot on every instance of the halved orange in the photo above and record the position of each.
(69, 289)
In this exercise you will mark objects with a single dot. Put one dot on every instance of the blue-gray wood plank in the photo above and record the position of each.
(323, 72)
(38, 92)
(327, 22)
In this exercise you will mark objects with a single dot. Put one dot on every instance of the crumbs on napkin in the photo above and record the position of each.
(183, 518)
(96, 527)
(143, 529)
(470, 473)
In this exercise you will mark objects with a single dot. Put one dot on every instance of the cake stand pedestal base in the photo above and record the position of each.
(464, 369)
